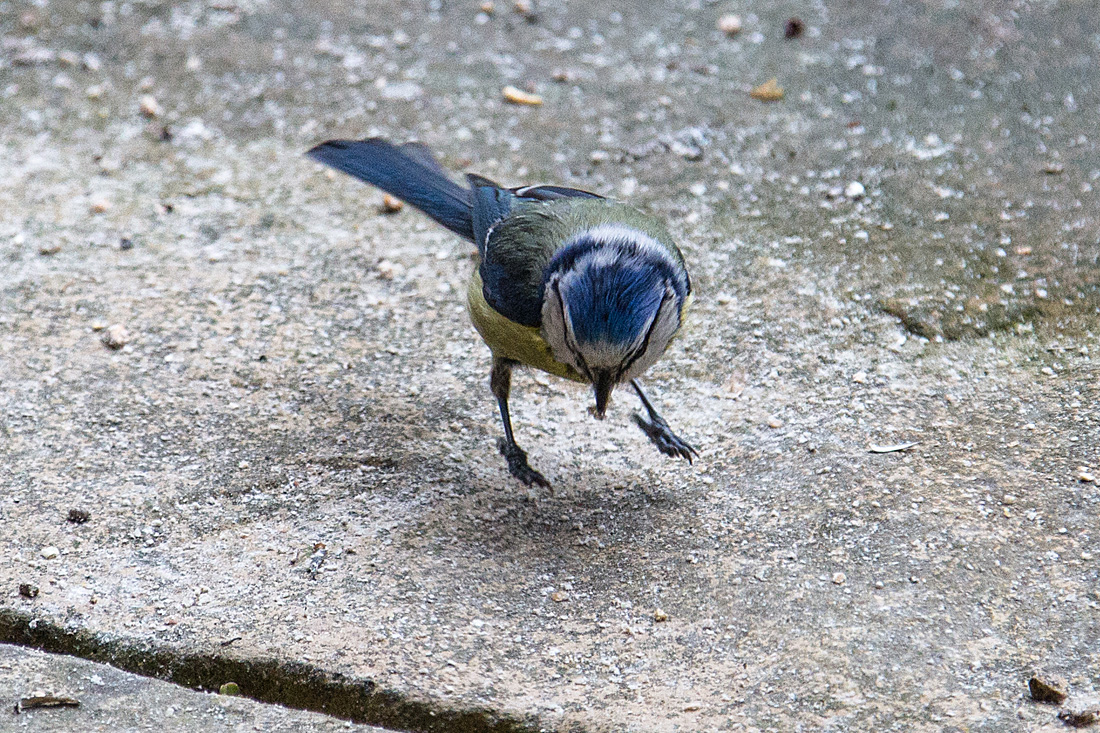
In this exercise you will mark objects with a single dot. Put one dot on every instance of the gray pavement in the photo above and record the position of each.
(109, 700)
(267, 397)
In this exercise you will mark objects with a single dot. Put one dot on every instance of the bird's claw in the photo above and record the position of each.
(658, 431)
(518, 466)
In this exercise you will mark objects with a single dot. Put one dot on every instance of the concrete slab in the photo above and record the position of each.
(287, 463)
(111, 700)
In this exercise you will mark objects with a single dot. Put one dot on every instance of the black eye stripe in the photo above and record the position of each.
(645, 341)
(567, 328)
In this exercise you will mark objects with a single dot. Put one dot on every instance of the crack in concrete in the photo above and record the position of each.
(290, 684)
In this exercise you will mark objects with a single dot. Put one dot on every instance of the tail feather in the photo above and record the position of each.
(408, 172)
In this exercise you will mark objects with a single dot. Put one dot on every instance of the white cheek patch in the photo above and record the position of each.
(556, 328)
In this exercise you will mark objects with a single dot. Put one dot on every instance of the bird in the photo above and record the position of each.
(569, 282)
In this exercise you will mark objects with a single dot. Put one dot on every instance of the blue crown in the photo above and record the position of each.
(612, 303)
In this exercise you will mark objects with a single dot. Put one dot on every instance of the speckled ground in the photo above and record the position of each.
(113, 701)
(293, 447)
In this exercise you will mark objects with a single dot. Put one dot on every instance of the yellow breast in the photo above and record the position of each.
(510, 340)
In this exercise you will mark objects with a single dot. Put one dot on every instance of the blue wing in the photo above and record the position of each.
(512, 269)
(409, 172)
(511, 273)
(491, 204)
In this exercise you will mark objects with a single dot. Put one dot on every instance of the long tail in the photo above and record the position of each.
(408, 172)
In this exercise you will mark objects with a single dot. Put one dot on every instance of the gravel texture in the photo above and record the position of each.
(113, 701)
(265, 394)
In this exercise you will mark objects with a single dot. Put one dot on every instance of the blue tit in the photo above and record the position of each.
(567, 281)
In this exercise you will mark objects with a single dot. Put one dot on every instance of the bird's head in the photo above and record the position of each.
(612, 302)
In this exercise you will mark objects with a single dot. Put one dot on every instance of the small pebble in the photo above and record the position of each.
(487, 7)
(49, 553)
(775, 422)
(660, 616)
(100, 205)
(730, 24)
(559, 596)
(793, 28)
(149, 106)
(391, 204)
(1085, 477)
(860, 377)
(388, 270)
(839, 578)
(116, 336)
(854, 190)
(78, 516)
(29, 20)
(1008, 499)
(49, 249)
(28, 591)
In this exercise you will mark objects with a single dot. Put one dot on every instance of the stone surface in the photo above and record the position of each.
(114, 701)
(291, 458)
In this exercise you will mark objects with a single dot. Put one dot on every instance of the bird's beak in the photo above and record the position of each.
(603, 383)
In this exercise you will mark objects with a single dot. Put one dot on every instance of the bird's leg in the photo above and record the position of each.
(500, 380)
(658, 430)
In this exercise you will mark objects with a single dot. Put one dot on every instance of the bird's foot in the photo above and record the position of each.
(658, 431)
(518, 466)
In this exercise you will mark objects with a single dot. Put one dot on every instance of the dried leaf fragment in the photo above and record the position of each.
(1079, 718)
(769, 91)
(515, 95)
(1044, 691)
(46, 701)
